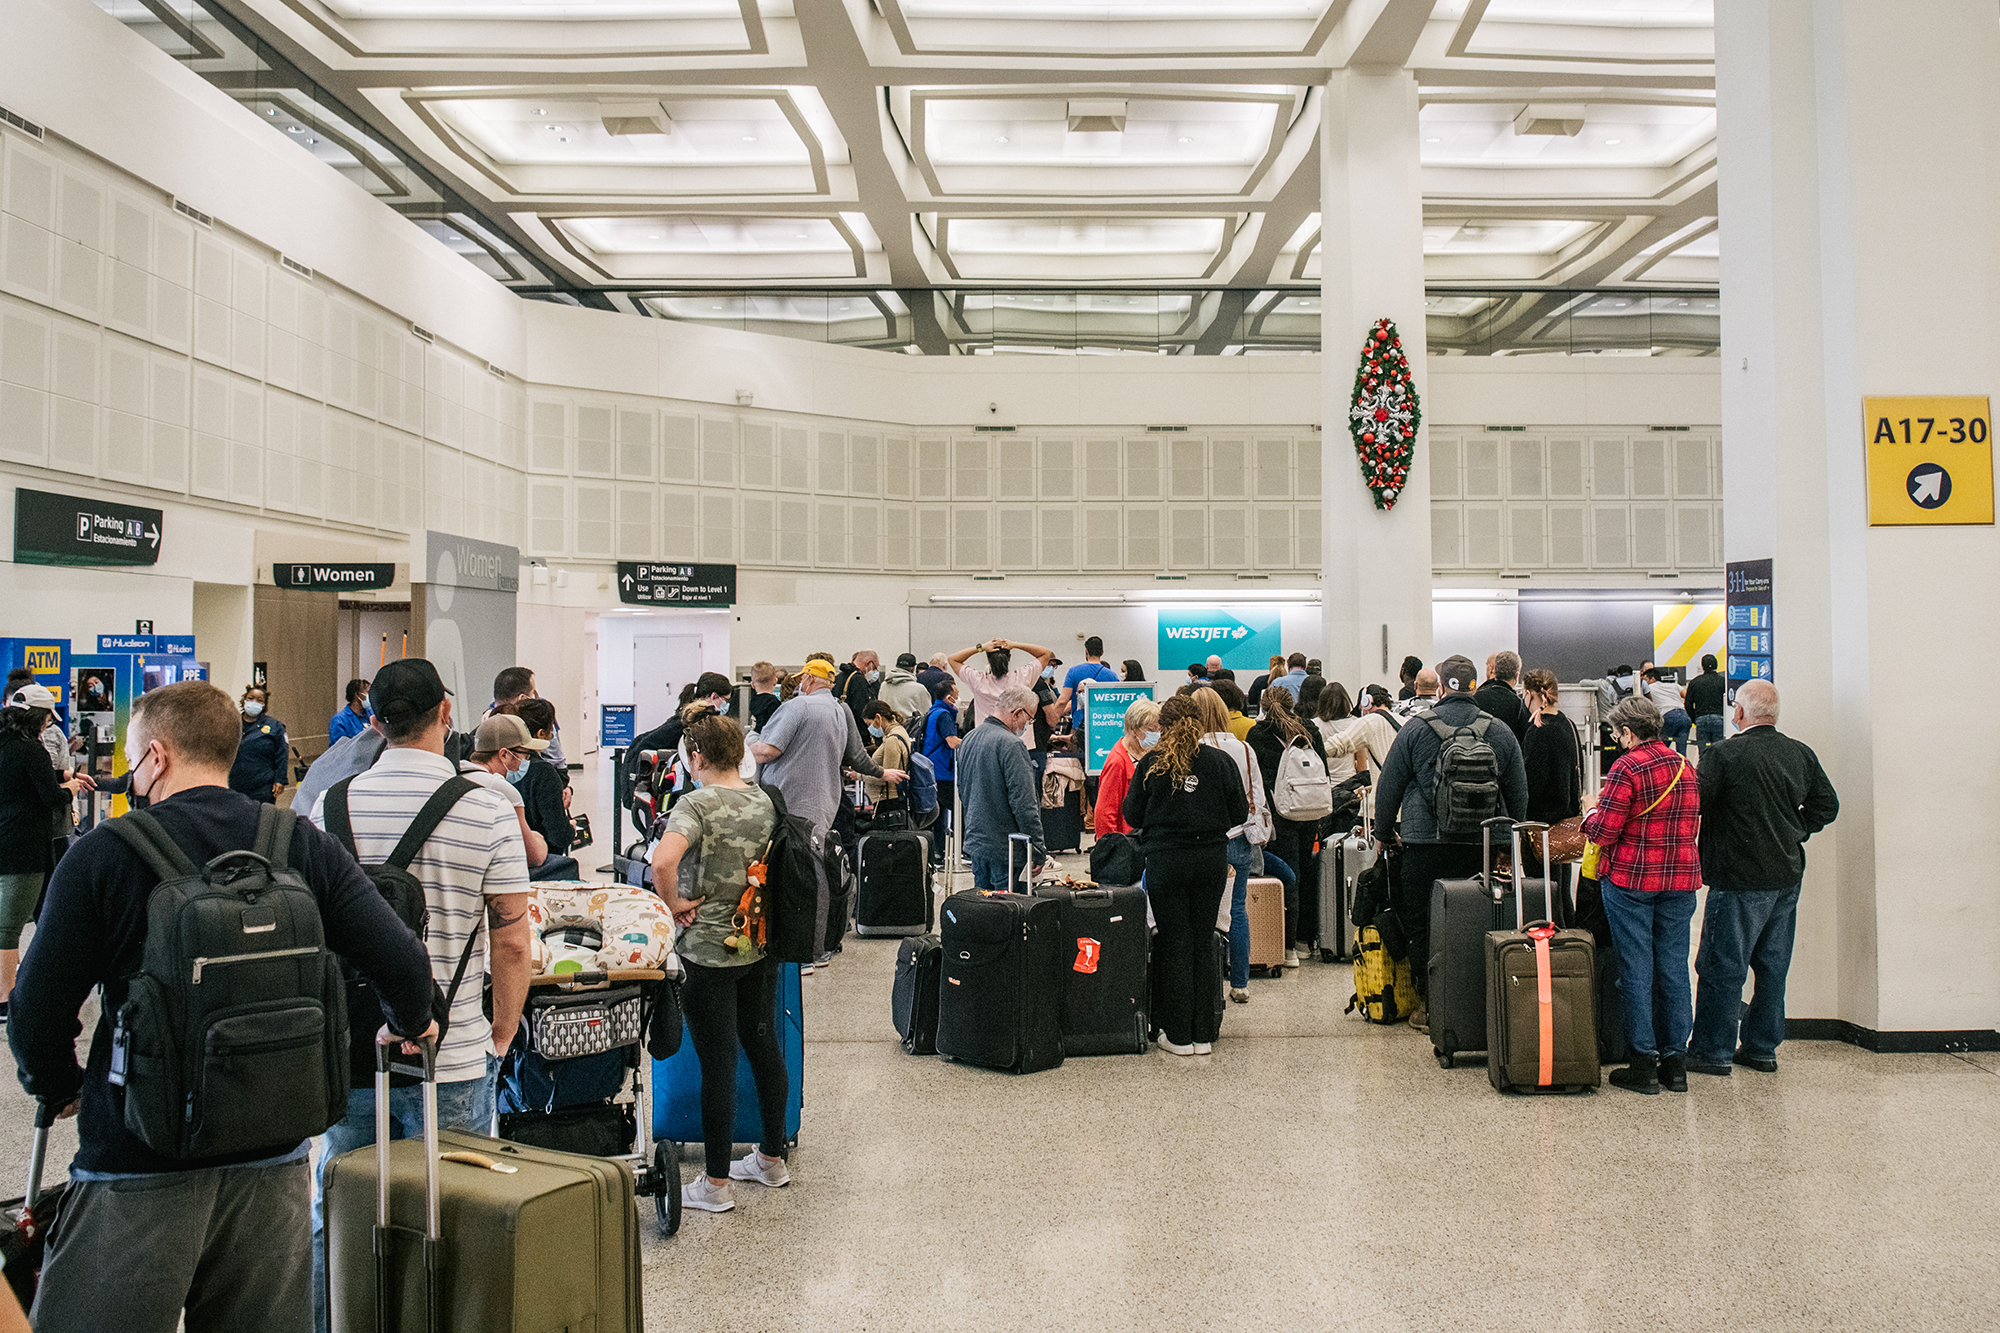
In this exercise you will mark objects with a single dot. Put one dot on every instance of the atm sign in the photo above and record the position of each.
(43, 661)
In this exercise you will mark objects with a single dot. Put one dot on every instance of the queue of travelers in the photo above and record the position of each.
(1193, 780)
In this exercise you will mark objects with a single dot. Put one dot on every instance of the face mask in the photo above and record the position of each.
(1048, 673)
(875, 731)
(1149, 740)
(720, 705)
(252, 708)
(362, 703)
(516, 775)
(145, 792)
(874, 676)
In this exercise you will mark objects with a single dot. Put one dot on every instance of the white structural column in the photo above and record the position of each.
(1858, 195)
(1376, 566)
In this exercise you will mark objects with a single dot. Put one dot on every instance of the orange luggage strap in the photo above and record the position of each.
(1545, 1074)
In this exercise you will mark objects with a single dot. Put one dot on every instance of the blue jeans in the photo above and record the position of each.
(1650, 933)
(1674, 727)
(466, 1104)
(1707, 730)
(989, 874)
(1241, 854)
(1744, 932)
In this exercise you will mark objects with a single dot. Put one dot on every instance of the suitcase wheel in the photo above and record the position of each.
(1445, 1061)
(667, 1183)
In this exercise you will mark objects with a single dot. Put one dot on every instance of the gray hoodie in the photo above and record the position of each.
(905, 693)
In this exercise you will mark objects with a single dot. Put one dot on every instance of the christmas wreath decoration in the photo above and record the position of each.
(1385, 414)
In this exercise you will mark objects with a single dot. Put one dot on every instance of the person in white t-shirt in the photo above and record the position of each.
(1670, 699)
(990, 669)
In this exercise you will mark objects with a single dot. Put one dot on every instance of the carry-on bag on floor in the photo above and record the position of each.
(839, 891)
(24, 1222)
(913, 1004)
(1340, 866)
(461, 1232)
(1462, 912)
(1001, 981)
(1107, 989)
(892, 889)
(677, 1079)
(1264, 900)
(1541, 1022)
(1062, 825)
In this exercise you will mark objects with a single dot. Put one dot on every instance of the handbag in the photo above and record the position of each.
(1591, 851)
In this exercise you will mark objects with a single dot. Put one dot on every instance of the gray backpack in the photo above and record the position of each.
(1467, 789)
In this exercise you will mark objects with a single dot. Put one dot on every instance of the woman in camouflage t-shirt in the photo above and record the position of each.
(731, 992)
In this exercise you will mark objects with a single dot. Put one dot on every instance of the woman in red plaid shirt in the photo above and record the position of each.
(1645, 822)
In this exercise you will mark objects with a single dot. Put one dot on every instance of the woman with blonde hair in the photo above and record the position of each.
(1184, 798)
(1246, 840)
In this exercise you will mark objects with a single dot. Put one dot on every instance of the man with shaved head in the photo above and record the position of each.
(1762, 795)
(1425, 683)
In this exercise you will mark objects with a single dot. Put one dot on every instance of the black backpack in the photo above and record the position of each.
(233, 1033)
(792, 881)
(1117, 859)
(405, 895)
(1467, 790)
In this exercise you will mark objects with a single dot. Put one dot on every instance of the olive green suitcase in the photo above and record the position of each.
(497, 1236)
(1541, 998)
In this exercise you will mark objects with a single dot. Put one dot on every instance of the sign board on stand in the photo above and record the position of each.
(699, 586)
(1930, 460)
(1104, 705)
(1747, 622)
(618, 728)
(1245, 639)
(52, 529)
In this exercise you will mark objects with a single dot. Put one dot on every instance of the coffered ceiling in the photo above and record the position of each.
(616, 147)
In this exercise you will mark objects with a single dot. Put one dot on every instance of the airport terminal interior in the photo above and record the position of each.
(637, 342)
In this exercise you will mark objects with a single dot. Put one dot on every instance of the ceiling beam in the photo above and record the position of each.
(1389, 30)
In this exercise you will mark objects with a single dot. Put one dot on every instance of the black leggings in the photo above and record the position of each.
(726, 1006)
(1186, 885)
(1293, 840)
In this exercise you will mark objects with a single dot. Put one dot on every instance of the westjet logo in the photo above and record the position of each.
(1203, 633)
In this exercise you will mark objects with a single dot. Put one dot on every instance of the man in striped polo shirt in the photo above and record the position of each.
(474, 865)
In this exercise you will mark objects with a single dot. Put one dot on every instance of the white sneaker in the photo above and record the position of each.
(764, 1170)
(1203, 1048)
(1172, 1049)
(1238, 995)
(705, 1194)
(1291, 958)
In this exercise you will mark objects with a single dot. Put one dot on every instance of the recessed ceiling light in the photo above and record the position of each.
(541, 111)
(1001, 139)
(295, 129)
(272, 112)
(749, 138)
(1434, 139)
(715, 307)
(1186, 139)
(1613, 143)
(652, 236)
(562, 138)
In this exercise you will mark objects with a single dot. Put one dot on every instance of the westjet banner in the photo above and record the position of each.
(1244, 640)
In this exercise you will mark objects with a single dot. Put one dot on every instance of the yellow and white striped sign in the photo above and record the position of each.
(1683, 631)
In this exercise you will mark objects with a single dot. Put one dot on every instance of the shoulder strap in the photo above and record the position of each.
(425, 824)
(464, 958)
(1445, 731)
(274, 834)
(144, 835)
(1478, 728)
(335, 814)
(1679, 773)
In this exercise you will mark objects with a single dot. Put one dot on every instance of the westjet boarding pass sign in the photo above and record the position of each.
(1930, 460)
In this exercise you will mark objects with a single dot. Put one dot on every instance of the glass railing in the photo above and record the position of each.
(1573, 323)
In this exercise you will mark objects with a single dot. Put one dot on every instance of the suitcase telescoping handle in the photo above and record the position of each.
(1502, 824)
(1027, 862)
(38, 1154)
(386, 1051)
(1548, 883)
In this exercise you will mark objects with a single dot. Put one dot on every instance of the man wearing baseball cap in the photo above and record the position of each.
(475, 877)
(1409, 777)
(502, 748)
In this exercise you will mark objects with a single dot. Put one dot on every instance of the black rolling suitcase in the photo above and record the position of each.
(1001, 981)
(914, 1001)
(1062, 825)
(1107, 984)
(1462, 912)
(1541, 1022)
(892, 884)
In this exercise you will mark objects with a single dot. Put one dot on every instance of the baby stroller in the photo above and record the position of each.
(654, 775)
(580, 1049)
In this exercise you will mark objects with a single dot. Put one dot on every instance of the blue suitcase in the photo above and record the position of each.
(677, 1081)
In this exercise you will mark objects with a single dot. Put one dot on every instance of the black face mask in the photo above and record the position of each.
(997, 662)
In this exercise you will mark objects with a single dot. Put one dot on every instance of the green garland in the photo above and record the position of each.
(1385, 414)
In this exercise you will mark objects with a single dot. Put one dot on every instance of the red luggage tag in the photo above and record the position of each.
(1087, 953)
(1545, 1003)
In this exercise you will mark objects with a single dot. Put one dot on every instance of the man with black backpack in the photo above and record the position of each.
(1451, 767)
(221, 1044)
(449, 852)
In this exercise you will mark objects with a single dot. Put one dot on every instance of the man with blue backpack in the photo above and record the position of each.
(937, 745)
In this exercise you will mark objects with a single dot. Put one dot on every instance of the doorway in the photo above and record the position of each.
(661, 665)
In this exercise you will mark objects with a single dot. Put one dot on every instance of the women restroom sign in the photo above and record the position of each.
(1244, 640)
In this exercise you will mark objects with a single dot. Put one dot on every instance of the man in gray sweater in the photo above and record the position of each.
(998, 792)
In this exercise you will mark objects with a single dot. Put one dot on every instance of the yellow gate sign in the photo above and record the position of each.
(1930, 460)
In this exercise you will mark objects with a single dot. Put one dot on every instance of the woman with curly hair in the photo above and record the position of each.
(1184, 799)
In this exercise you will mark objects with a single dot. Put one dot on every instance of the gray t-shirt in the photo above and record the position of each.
(811, 729)
(727, 828)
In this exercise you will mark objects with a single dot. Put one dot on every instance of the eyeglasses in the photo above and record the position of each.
(522, 754)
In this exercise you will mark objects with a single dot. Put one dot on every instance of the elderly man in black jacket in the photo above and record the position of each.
(1762, 795)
